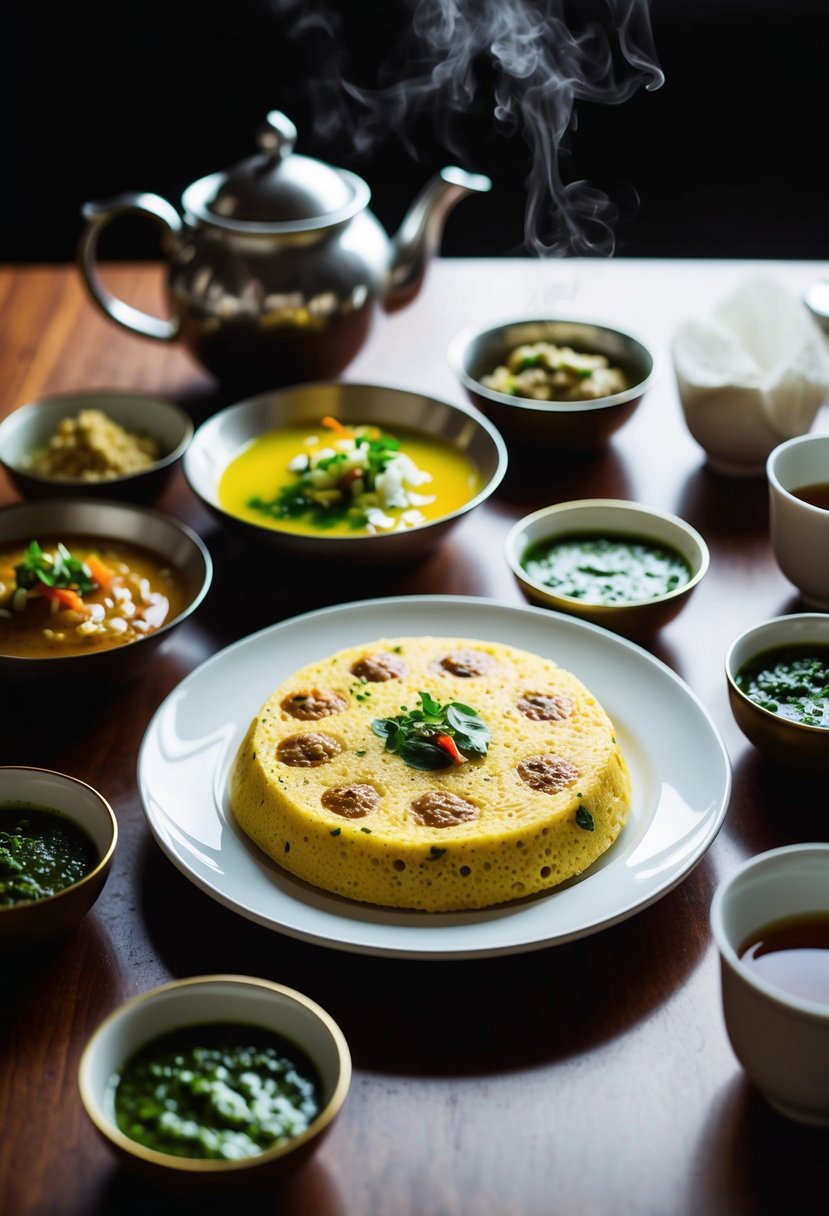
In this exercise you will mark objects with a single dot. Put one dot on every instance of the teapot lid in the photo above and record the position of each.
(277, 190)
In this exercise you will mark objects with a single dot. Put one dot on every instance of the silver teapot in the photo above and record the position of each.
(276, 267)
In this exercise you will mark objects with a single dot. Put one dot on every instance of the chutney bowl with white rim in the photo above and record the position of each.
(795, 745)
(609, 518)
(202, 1001)
(41, 920)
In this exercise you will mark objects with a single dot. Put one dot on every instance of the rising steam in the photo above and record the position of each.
(525, 63)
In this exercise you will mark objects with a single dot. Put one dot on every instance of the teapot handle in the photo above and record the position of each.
(98, 215)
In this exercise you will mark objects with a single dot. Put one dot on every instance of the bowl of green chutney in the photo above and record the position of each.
(215, 1083)
(777, 673)
(623, 565)
(57, 842)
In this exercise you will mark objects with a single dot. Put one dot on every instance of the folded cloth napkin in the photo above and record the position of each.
(753, 372)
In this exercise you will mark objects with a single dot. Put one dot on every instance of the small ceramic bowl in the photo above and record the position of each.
(475, 353)
(166, 538)
(781, 1038)
(224, 436)
(793, 744)
(609, 517)
(42, 919)
(29, 428)
(798, 478)
(200, 1001)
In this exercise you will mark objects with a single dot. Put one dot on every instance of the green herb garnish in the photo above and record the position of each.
(60, 570)
(585, 820)
(434, 736)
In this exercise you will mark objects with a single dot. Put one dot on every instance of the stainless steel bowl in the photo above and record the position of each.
(223, 436)
(475, 353)
(144, 526)
(31, 426)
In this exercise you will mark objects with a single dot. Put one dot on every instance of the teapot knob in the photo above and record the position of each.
(277, 135)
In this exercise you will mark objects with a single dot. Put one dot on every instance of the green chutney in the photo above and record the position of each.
(41, 852)
(792, 682)
(611, 569)
(216, 1091)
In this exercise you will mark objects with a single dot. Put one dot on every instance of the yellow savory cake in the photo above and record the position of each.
(432, 773)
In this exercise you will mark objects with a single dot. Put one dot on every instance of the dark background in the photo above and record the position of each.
(728, 158)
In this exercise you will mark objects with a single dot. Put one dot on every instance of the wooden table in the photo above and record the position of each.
(592, 1078)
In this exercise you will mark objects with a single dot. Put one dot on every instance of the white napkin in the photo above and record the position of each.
(762, 359)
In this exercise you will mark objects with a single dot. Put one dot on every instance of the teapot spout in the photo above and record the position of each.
(418, 238)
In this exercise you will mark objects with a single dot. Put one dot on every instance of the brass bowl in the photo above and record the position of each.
(201, 1000)
(793, 744)
(475, 353)
(43, 919)
(29, 427)
(161, 534)
(608, 517)
(221, 438)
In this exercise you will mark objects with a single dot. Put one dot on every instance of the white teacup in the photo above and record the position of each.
(800, 530)
(781, 1039)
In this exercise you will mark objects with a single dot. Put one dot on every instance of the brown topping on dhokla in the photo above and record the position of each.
(318, 703)
(549, 774)
(308, 751)
(377, 668)
(439, 809)
(466, 663)
(546, 707)
(351, 801)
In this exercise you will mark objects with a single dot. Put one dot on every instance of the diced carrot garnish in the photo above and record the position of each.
(334, 424)
(99, 570)
(64, 596)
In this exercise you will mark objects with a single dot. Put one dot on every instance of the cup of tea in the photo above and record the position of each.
(798, 476)
(770, 921)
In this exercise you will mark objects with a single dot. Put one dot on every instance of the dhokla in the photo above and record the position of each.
(315, 784)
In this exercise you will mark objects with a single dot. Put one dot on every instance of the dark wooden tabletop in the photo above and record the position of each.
(591, 1078)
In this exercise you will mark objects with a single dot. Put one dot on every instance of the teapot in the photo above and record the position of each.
(277, 267)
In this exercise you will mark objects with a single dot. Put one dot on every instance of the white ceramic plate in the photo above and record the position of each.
(679, 768)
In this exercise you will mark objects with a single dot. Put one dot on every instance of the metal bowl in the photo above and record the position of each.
(144, 526)
(475, 353)
(793, 744)
(30, 427)
(217, 999)
(223, 436)
(608, 517)
(42, 919)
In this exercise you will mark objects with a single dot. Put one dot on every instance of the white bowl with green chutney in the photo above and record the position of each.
(619, 564)
(57, 841)
(215, 1083)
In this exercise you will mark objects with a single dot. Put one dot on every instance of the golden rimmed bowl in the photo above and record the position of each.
(793, 744)
(43, 919)
(609, 517)
(28, 429)
(475, 353)
(227, 433)
(202, 1000)
(162, 535)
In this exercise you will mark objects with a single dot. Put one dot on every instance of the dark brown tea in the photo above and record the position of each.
(816, 495)
(792, 954)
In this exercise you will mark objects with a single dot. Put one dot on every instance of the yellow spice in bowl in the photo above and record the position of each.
(92, 447)
(315, 786)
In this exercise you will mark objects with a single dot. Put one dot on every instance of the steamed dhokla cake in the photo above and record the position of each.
(432, 773)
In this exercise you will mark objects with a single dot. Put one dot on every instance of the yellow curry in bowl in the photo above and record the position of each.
(347, 480)
(75, 595)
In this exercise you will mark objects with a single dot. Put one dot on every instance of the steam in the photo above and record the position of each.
(523, 63)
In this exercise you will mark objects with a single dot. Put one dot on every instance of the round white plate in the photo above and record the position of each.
(679, 768)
